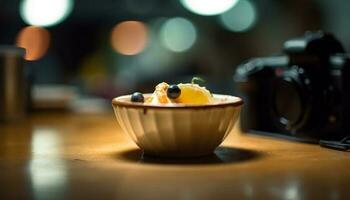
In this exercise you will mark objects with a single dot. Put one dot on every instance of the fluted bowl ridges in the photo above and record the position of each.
(178, 130)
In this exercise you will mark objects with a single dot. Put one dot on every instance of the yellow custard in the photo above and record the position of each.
(190, 94)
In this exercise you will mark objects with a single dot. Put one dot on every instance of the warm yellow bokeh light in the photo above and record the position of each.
(35, 40)
(129, 37)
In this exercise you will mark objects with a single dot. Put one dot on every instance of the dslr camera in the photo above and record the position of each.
(301, 94)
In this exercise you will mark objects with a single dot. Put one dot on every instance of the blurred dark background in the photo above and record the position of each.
(106, 48)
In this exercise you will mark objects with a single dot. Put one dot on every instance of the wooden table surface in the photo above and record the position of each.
(70, 156)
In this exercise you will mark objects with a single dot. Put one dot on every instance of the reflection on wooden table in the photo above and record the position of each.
(61, 156)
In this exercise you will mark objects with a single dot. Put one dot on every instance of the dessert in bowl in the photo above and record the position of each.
(183, 120)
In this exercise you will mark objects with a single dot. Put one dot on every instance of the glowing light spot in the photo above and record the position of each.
(50, 172)
(129, 37)
(242, 17)
(178, 34)
(208, 7)
(35, 40)
(45, 12)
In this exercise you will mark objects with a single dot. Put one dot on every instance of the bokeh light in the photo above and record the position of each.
(35, 40)
(208, 7)
(129, 37)
(242, 17)
(45, 12)
(178, 34)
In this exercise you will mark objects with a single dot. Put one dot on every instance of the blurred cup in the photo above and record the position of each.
(13, 98)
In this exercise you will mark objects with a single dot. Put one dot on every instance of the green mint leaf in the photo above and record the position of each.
(197, 80)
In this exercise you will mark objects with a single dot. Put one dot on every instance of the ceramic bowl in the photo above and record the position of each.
(178, 130)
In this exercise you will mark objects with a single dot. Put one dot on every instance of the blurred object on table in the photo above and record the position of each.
(91, 105)
(67, 98)
(53, 96)
(13, 86)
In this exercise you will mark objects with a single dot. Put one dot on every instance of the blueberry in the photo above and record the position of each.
(137, 97)
(173, 91)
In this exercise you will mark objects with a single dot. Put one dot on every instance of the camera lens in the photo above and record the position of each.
(288, 102)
